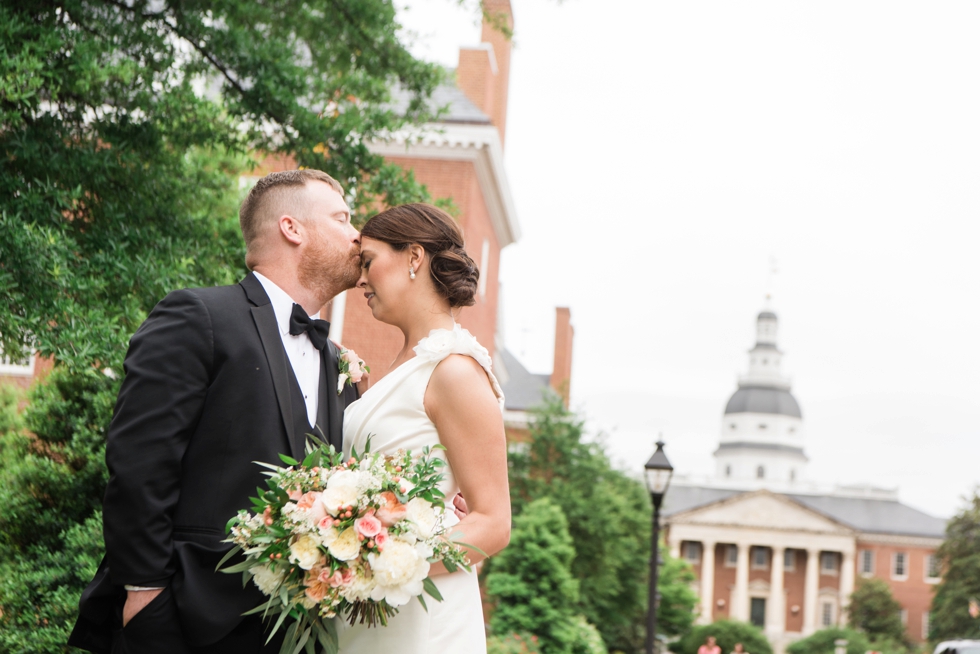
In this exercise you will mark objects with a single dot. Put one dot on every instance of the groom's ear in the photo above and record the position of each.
(291, 229)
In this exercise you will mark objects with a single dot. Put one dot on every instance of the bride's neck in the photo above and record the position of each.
(419, 326)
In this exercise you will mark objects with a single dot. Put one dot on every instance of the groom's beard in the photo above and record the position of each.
(327, 270)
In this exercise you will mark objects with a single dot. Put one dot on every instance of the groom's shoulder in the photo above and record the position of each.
(210, 296)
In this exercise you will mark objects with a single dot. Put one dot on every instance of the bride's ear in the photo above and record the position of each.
(416, 256)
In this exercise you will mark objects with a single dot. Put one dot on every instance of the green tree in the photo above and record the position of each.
(531, 584)
(726, 633)
(876, 613)
(608, 515)
(959, 558)
(822, 642)
(675, 612)
(124, 127)
(115, 121)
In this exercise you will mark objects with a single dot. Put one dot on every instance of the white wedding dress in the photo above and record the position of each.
(392, 413)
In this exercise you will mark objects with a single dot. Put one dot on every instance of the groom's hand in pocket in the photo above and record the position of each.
(136, 601)
(459, 505)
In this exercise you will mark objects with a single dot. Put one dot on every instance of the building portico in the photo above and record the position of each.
(748, 569)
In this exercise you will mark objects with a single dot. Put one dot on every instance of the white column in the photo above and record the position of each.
(707, 582)
(740, 599)
(776, 613)
(810, 591)
(846, 585)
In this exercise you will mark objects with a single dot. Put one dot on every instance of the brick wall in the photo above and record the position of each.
(912, 590)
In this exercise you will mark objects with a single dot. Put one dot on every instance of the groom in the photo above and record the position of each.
(217, 379)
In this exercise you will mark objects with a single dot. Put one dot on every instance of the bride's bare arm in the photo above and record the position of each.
(461, 403)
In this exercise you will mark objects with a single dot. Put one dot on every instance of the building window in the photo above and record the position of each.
(792, 430)
(762, 425)
(867, 562)
(760, 558)
(932, 568)
(731, 556)
(733, 426)
(900, 565)
(792, 475)
(828, 563)
(728, 471)
(760, 472)
(827, 614)
(692, 551)
(789, 560)
(904, 614)
(925, 626)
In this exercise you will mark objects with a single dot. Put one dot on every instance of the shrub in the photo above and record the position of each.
(513, 644)
(727, 633)
(822, 642)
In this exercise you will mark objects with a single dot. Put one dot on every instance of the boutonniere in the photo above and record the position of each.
(351, 369)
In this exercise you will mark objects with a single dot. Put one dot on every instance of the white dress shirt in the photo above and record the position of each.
(304, 358)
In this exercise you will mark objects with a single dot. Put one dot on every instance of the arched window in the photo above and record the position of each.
(728, 471)
(760, 472)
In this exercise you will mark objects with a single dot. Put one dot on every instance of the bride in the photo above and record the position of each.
(415, 275)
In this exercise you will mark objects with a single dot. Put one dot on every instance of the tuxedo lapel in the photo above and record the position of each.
(335, 420)
(265, 322)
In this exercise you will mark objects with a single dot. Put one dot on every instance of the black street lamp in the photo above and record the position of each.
(657, 472)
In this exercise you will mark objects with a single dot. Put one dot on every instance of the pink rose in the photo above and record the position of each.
(346, 576)
(310, 502)
(367, 525)
(356, 374)
(294, 494)
(381, 539)
(391, 510)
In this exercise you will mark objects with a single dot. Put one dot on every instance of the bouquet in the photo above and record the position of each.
(353, 538)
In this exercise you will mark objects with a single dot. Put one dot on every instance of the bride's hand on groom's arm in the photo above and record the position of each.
(461, 403)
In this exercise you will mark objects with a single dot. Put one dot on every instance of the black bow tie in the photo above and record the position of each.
(317, 330)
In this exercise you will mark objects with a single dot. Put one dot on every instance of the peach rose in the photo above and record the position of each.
(391, 510)
(294, 494)
(311, 502)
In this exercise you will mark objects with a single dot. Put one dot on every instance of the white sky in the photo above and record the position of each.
(660, 153)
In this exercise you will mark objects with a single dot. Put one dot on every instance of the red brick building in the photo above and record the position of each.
(773, 548)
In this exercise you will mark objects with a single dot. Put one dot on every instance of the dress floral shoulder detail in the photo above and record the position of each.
(440, 343)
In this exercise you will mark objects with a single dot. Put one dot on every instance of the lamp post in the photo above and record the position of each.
(657, 472)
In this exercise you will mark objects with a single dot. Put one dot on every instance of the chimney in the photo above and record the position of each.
(561, 376)
(483, 73)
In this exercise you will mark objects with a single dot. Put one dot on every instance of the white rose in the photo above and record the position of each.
(398, 572)
(267, 580)
(422, 516)
(342, 490)
(304, 552)
(328, 536)
(346, 547)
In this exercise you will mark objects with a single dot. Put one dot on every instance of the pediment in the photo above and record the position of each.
(761, 509)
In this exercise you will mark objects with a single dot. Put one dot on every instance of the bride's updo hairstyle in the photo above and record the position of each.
(453, 271)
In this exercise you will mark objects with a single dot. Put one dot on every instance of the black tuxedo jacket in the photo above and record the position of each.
(207, 393)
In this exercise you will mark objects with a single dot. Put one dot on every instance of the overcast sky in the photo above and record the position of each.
(661, 154)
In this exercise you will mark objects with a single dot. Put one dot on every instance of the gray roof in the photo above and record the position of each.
(760, 399)
(459, 108)
(523, 390)
(767, 314)
(863, 514)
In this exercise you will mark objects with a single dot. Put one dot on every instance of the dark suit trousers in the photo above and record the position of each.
(156, 630)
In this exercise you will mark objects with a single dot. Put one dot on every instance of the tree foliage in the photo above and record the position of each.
(726, 633)
(609, 517)
(531, 582)
(959, 557)
(876, 613)
(822, 642)
(117, 122)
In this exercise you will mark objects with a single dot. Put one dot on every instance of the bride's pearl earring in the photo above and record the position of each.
(411, 272)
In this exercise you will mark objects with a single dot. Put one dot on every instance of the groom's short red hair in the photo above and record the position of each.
(268, 194)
